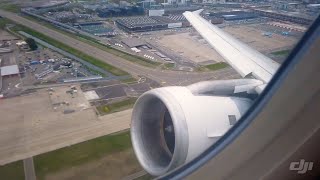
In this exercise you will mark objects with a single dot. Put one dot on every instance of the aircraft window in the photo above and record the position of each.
(133, 89)
(304, 51)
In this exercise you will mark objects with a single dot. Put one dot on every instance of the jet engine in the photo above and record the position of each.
(172, 125)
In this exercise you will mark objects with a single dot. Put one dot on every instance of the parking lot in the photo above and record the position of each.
(37, 67)
(47, 66)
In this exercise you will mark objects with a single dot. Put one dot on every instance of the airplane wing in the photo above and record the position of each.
(245, 60)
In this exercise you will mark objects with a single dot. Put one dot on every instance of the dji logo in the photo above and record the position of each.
(302, 166)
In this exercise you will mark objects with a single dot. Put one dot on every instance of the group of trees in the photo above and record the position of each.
(32, 43)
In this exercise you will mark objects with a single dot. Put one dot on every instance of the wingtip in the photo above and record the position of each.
(193, 12)
(198, 11)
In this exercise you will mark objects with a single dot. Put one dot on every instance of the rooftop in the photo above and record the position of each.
(139, 21)
(9, 70)
(286, 13)
(164, 19)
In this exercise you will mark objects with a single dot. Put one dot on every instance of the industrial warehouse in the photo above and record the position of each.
(234, 15)
(151, 23)
(96, 28)
(9, 70)
(291, 17)
(140, 24)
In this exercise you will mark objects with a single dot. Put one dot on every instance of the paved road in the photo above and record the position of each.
(28, 166)
(162, 76)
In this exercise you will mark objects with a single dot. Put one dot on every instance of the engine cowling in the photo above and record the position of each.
(172, 125)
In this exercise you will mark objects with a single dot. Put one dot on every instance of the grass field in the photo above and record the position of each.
(12, 171)
(3, 23)
(116, 107)
(95, 43)
(282, 53)
(10, 7)
(214, 67)
(217, 66)
(168, 66)
(78, 154)
(129, 80)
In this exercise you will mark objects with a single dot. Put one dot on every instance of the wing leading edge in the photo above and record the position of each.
(240, 56)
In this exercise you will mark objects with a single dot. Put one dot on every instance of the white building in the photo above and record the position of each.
(156, 12)
(9, 70)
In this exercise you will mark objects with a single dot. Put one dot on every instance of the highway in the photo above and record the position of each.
(164, 77)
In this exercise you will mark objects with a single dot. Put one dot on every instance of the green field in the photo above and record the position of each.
(168, 66)
(129, 80)
(78, 154)
(12, 171)
(3, 23)
(281, 53)
(217, 66)
(95, 43)
(116, 107)
(10, 7)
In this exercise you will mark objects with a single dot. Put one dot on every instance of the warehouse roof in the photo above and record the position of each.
(139, 21)
(164, 19)
(9, 70)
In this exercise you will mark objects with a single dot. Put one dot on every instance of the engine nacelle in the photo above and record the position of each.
(172, 125)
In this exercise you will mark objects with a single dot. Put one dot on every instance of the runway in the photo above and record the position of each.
(162, 76)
